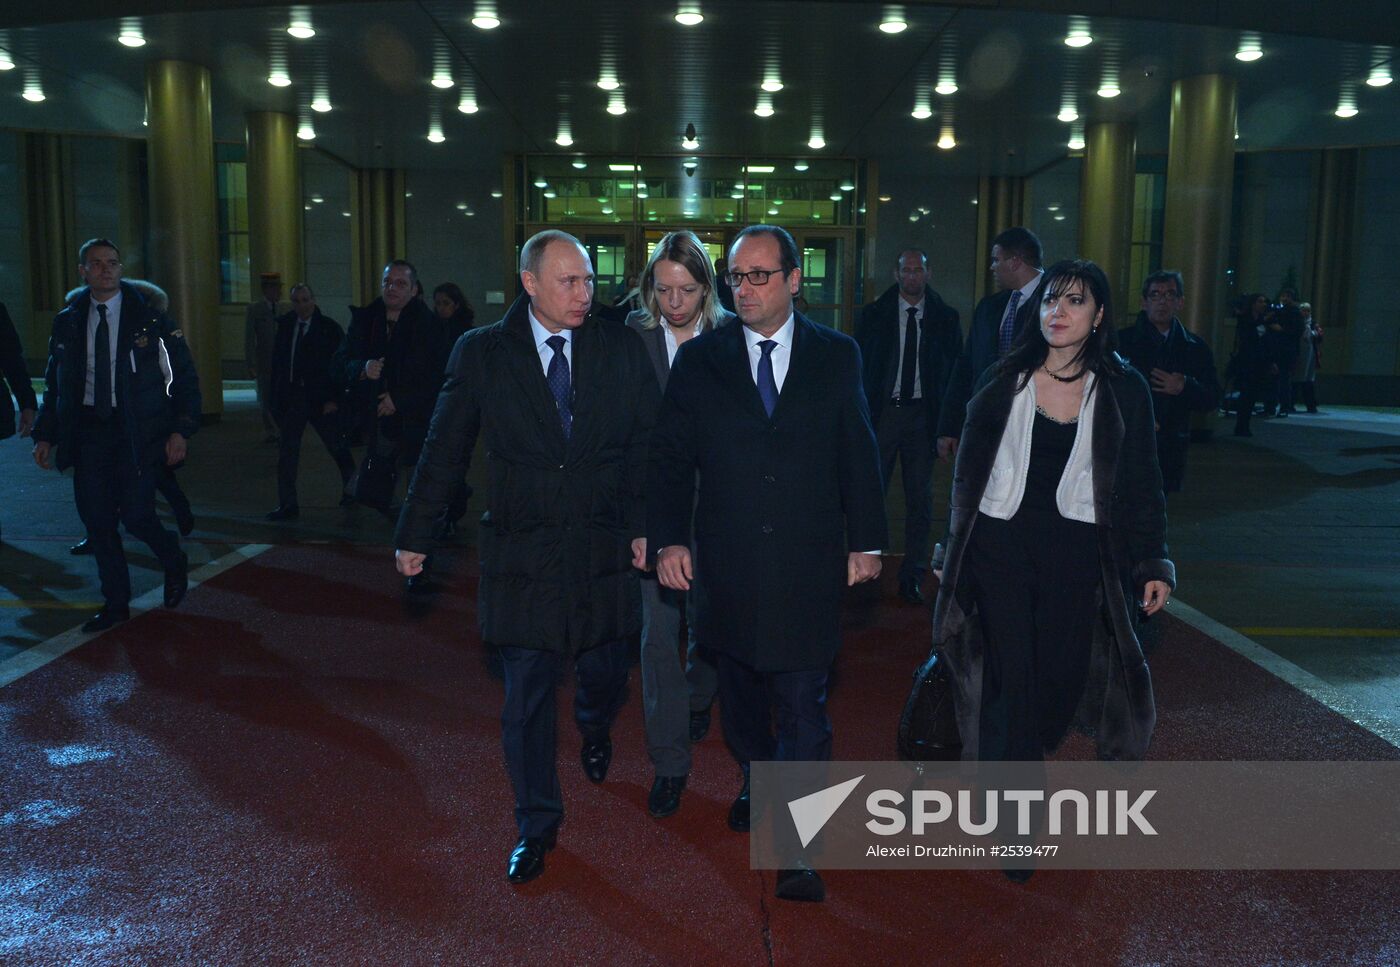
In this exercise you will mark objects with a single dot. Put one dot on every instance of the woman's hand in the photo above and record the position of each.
(1154, 596)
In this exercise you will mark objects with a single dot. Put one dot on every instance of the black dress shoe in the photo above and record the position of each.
(699, 724)
(739, 811)
(285, 512)
(909, 591)
(177, 581)
(665, 796)
(83, 546)
(596, 756)
(104, 619)
(527, 858)
(803, 884)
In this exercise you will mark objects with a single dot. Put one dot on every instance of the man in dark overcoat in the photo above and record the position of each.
(566, 403)
(303, 390)
(121, 398)
(772, 416)
(909, 340)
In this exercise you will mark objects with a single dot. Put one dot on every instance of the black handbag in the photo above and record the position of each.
(928, 727)
(374, 482)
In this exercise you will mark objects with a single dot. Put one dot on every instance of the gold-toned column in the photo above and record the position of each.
(184, 256)
(1106, 206)
(378, 229)
(1332, 250)
(49, 222)
(1001, 204)
(274, 198)
(1200, 181)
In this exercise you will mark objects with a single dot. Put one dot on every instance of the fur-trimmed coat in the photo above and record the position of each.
(1117, 705)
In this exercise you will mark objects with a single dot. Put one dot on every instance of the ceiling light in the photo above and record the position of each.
(777, 201)
(7, 62)
(1076, 142)
(1344, 110)
(496, 193)
(817, 142)
(307, 207)
(346, 214)
(485, 17)
(643, 194)
(33, 93)
(1078, 35)
(945, 88)
(608, 83)
(764, 109)
(772, 85)
(760, 169)
(1110, 90)
(436, 136)
(816, 215)
(736, 193)
(579, 163)
(772, 211)
(893, 21)
(913, 216)
(442, 81)
(835, 196)
(131, 37)
(848, 185)
(461, 206)
(564, 139)
(306, 132)
(689, 15)
(1059, 218)
(799, 166)
(691, 141)
(467, 104)
(1052, 208)
(540, 183)
(885, 197)
(921, 112)
(1068, 115)
(318, 200)
(1380, 76)
(617, 167)
(301, 29)
(321, 104)
(469, 213)
(551, 193)
(607, 210)
(616, 105)
(946, 141)
(1251, 47)
(279, 78)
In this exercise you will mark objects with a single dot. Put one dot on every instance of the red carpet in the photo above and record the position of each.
(300, 765)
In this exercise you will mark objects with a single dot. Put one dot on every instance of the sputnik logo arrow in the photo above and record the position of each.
(811, 812)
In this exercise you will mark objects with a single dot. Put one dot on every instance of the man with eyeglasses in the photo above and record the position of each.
(996, 322)
(1178, 365)
(773, 418)
(121, 399)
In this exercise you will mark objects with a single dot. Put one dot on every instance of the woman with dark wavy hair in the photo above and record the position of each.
(1057, 539)
(679, 299)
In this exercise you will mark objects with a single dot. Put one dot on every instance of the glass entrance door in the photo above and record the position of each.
(827, 271)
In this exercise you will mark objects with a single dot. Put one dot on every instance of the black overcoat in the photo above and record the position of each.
(556, 553)
(978, 353)
(12, 370)
(781, 499)
(313, 381)
(1117, 705)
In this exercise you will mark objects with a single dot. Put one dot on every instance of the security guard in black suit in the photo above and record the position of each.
(121, 398)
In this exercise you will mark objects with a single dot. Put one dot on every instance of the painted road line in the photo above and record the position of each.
(1301, 679)
(15, 668)
(1320, 632)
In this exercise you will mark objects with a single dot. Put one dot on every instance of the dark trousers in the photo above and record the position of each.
(292, 422)
(1171, 458)
(1035, 580)
(1250, 389)
(903, 433)
(528, 722)
(1285, 387)
(110, 488)
(671, 690)
(773, 716)
(1307, 389)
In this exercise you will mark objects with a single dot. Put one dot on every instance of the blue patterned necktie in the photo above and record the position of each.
(767, 385)
(559, 383)
(102, 366)
(1008, 324)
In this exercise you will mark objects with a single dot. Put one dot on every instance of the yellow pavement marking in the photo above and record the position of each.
(52, 605)
(1320, 632)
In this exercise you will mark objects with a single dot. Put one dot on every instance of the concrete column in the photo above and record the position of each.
(274, 198)
(1200, 181)
(378, 227)
(1106, 207)
(1002, 203)
(1329, 269)
(184, 257)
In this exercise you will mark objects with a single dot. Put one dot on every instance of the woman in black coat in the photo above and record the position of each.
(1253, 366)
(1057, 539)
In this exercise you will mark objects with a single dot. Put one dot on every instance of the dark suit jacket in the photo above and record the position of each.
(556, 555)
(940, 345)
(782, 499)
(13, 371)
(979, 352)
(311, 380)
(152, 404)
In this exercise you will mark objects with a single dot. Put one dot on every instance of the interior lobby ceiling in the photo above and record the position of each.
(536, 76)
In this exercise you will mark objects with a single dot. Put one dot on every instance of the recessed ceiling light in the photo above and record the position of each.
(772, 211)
(1078, 37)
(540, 183)
(946, 141)
(462, 206)
(913, 216)
(1343, 110)
(1076, 142)
(7, 63)
(945, 88)
(689, 15)
(33, 94)
(307, 207)
(467, 104)
(848, 185)
(301, 29)
(1059, 218)
(736, 193)
(442, 81)
(346, 214)
(885, 197)
(1380, 76)
(799, 166)
(486, 23)
(835, 196)
(1052, 208)
(607, 210)
(306, 132)
(1110, 90)
(1251, 47)
(564, 139)
(777, 201)
(485, 17)
(690, 144)
(279, 79)
(551, 193)
(579, 163)
(496, 193)
(893, 26)
(621, 167)
(320, 199)
(817, 142)
(469, 213)
(608, 83)
(760, 169)
(131, 38)
(321, 105)
(1068, 115)
(764, 110)
(617, 106)
(436, 136)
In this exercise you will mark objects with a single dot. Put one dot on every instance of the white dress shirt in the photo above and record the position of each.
(904, 307)
(671, 344)
(546, 351)
(114, 315)
(781, 354)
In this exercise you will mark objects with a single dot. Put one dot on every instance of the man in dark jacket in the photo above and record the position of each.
(909, 341)
(121, 398)
(12, 370)
(772, 417)
(302, 389)
(996, 322)
(566, 402)
(1179, 368)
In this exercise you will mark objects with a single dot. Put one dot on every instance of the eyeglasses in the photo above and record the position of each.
(756, 277)
(1160, 297)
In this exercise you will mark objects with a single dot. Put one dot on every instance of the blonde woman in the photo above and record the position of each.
(678, 293)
